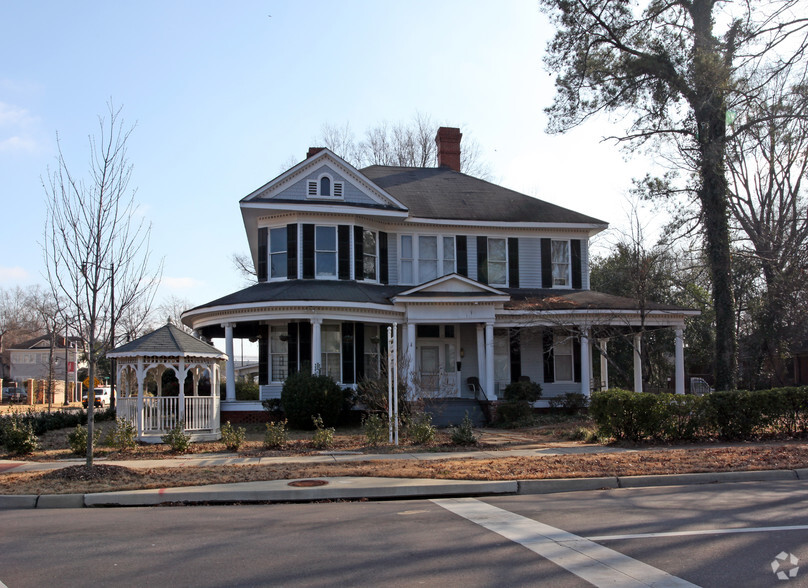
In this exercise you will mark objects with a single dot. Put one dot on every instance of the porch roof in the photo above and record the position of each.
(527, 299)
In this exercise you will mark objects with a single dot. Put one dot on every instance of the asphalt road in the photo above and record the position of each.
(712, 535)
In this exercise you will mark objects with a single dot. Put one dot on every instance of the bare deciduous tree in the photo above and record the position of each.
(97, 252)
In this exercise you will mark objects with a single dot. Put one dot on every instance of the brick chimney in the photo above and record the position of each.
(448, 142)
(314, 151)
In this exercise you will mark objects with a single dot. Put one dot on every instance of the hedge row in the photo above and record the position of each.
(636, 416)
(41, 422)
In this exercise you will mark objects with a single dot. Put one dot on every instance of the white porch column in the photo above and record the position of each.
(230, 382)
(490, 390)
(680, 361)
(604, 364)
(586, 363)
(481, 355)
(638, 362)
(316, 343)
(411, 360)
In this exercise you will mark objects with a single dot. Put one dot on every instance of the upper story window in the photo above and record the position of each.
(324, 187)
(560, 258)
(426, 257)
(369, 255)
(497, 262)
(325, 252)
(277, 253)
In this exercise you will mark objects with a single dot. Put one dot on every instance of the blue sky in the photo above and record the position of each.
(224, 94)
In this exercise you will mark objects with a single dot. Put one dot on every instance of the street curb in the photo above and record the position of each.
(60, 501)
(706, 478)
(9, 501)
(551, 486)
(281, 491)
(378, 489)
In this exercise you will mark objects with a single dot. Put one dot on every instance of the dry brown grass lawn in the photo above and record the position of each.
(647, 460)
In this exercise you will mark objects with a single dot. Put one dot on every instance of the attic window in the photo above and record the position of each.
(324, 187)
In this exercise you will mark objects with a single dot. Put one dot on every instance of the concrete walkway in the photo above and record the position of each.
(357, 488)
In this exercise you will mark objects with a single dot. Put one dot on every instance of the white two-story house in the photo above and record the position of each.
(485, 285)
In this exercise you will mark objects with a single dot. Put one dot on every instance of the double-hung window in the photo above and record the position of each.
(562, 354)
(278, 354)
(449, 255)
(277, 253)
(427, 258)
(407, 262)
(369, 255)
(497, 262)
(325, 252)
(560, 258)
(330, 350)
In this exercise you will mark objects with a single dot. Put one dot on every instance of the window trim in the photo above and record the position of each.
(270, 253)
(569, 340)
(375, 254)
(317, 275)
(416, 256)
(568, 281)
(281, 330)
(504, 283)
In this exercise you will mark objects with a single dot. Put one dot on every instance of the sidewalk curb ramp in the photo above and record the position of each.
(357, 488)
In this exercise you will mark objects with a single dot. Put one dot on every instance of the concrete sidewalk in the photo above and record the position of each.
(355, 488)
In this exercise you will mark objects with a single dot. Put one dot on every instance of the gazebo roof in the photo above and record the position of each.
(167, 341)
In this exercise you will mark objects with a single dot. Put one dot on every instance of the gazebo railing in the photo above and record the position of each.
(162, 413)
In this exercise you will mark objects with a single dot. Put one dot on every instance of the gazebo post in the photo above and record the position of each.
(139, 418)
(183, 373)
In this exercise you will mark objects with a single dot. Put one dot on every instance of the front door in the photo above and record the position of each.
(437, 362)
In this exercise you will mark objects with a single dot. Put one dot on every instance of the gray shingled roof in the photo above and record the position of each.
(441, 193)
(310, 290)
(167, 340)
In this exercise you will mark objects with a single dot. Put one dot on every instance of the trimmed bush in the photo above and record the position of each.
(323, 436)
(123, 436)
(375, 427)
(247, 390)
(233, 437)
(177, 439)
(420, 429)
(77, 439)
(276, 435)
(20, 438)
(517, 408)
(306, 395)
(571, 402)
(464, 433)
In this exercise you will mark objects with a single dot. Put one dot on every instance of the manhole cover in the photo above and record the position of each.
(307, 483)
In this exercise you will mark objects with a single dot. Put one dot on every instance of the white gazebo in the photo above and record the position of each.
(190, 395)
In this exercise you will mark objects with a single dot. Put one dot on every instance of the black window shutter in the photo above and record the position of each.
(549, 360)
(292, 348)
(575, 254)
(348, 353)
(546, 264)
(384, 277)
(358, 253)
(513, 262)
(291, 251)
(516, 354)
(359, 347)
(462, 253)
(263, 355)
(304, 346)
(344, 252)
(308, 252)
(482, 260)
(262, 254)
(576, 360)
